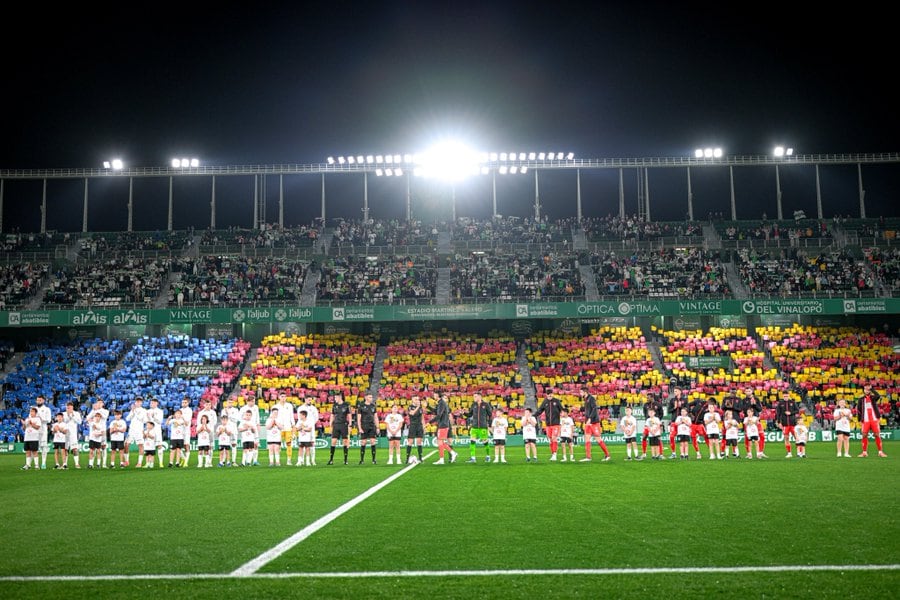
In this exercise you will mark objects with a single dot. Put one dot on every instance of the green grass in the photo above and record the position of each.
(517, 516)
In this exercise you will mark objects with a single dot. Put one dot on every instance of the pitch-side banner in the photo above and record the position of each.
(440, 312)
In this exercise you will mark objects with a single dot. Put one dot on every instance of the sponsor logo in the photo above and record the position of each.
(280, 314)
(15, 318)
(624, 308)
(89, 318)
(849, 306)
(596, 309)
(337, 314)
(521, 310)
(130, 318)
(700, 306)
(238, 316)
(783, 307)
(190, 315)
(196, 370)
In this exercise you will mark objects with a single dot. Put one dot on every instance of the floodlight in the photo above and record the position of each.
(493, 157)
(532, 155)
(398, 172)
(397, 158)
(503, 170)
(330, 160)
(708, 153)
(407, 158)
(388, 159)
(418, 172)
(106, 164)
(351, 160)
(378, 172)
(370, 159)
(485, 170)
(523, 170)
(176, 163)
(513, 170)
(718, 153)
(698, 153)
(789, 152)
(388, 172)
(541, 156)
(778, 151)
(570, 156)
(449, 160)
(360, 159)
(503, 156)
(341, 159)
(380, 159)
(117, 164)
(522, 156)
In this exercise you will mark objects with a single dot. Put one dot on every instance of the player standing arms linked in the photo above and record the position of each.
(394, 423)
(870, 416)
(340, 429)
(842, 416)
(416, 431)
(498, 431)
(786, 418)
(367, 425)
(551, 408)
(592, 426)
(628, 425)
(441, 418)
(529, 435)
(479, 421)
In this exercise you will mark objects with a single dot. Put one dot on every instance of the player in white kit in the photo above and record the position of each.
(273, 437)
(98, 407)
(731, 435)
(46, 417)
(567, 435)
(187, 413)
(628, 425)
(31, 426)
(312, 418)
(394, 424)
(205, 434)
(137, 421)
(60, 433)
(117, 430)
(711, 421)
(752, 431)
(72, 419)
(801, 432)
(155, 415)
(529, 435)
(248, 431)
(498, 433)
(842, 416)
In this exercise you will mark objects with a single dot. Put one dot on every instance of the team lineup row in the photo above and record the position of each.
(240, 428)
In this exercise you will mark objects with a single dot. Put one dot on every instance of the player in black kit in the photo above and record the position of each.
(367, 424)
(416, 427)
(340, 427)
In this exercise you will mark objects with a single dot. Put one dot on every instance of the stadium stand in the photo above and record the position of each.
(110, 283)
(377, 279)
(664, 273)
(614, 228)
(801, 272)
(220, 240)
(384, 233)
(493, 275)
(236, 280)
(511, 230)
(20, 282)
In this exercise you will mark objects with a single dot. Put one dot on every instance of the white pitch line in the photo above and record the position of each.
(268, 556)
(460, 573)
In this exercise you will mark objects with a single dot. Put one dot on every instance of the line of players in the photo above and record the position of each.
(240, 428)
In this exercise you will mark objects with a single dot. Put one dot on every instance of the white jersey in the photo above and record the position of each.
(204, 436)
(32, 429)
(117, 430)
(273, 430)
(529, 428)
(187, 414)
(751, 426)
(801, 433)
(731, 429)
(177, 429)
(44, 414)
(712, 420)
(98, 431)
(304, 430)
(567, 428)
(233, 414)
(155, 416)
(683, 424)
(137, 419)
(60, 433)
(254, 413)
(498, 428)
(842, 419)
(394, 424)
(227, 434)
(104, 414)
(654, 426)
(211, 417)
(286, 419)
(312, 415)
(73, 422)
(628, 425)
(249, 431)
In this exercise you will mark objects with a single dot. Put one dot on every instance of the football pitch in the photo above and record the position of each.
(815, 528)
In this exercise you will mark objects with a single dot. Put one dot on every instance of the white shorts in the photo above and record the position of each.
(135, 438)
(43, 445)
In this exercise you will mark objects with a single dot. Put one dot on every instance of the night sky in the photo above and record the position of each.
(293, 84)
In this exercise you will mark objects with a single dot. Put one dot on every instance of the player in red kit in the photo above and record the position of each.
(786, 418)
(870, 417)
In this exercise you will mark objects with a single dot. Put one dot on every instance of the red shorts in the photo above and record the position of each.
(592, 429)
(442, 433)
(873, 426)
(787, 430)
(552, 431)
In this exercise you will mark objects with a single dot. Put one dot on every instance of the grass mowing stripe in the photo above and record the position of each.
(463, 573)
(268, 556)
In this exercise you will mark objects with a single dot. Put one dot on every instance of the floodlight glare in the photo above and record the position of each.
(718, 153)
(351, 160)
(398, 172)
(450, 161)
(418, 172)
(397, 158)
(380, 159)
(708, 153)
(778, 151)
(485, 170)
(521, 156)
(117, 164)
(541, 156)
(330, 160)
(503, 170)
(388, 172)
(513, 170)
(341, 159)
(503, 156)
(388, 159)
(407, 158)
(360, 159)
(176, 163)
(493, 157)
(532, 155)
(698, 153)
(370, 159)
